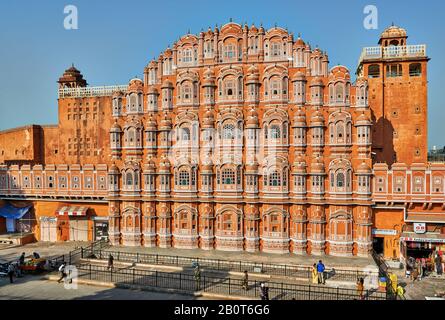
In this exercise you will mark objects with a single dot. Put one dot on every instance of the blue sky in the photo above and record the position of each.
(117, 38)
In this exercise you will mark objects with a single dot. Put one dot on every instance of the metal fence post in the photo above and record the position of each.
(180, 281)
(309, 297)
(137, 257)
(118, 255)
(133, 276)
(337, 293)
(157, 258)
(285, 270)
(90, 271)
(177, 260)
(100, 254)
(156, 278)
(229, 285)
(81, 252)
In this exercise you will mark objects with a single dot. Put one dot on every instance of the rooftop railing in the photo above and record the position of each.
(91, 91)
(393, 52)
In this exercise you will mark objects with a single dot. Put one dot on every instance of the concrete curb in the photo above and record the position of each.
(152, 289)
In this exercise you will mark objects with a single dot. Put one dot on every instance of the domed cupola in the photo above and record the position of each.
(209, 119)
(317, 165)
(393, 36)
(317, 119)
(72, 78)
(252, 119)
(299, 118)
(166, 123)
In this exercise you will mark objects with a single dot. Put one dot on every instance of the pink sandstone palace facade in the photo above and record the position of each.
(238, 138)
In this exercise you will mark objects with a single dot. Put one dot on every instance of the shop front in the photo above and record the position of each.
(73, 223)
(100, 228)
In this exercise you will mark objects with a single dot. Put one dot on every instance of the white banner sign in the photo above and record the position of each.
(384, 232)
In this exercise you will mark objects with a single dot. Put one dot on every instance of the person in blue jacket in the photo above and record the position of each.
(320, 270)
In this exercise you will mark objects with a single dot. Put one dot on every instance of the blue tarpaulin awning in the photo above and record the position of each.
(8, 211)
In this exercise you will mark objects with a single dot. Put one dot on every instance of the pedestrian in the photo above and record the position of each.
(36, 255)
(360, 287)
(11, 272)
(414, 275)
(246, 281)
(400, 293)
(423, 267)
(62, 272)
(22, 259)
(314, 273)
(419, 268)
(110, 262)
(438, 263)
(197, 275)
(320, 271)
(264, 291)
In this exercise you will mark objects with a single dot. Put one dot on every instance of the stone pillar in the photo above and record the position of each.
(164, 225)
(149, 224)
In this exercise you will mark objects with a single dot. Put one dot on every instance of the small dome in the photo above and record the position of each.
(151, 123)
(316, 82)
(252, 118)
(164, 163)
(317, 118)
(150, 165)
(166, 122)
(152, 90)
(299, 76)
(118, 94)
(364, 168)
(135, 85)
(393, 32)
(114, 169)
(363, 120)
(299, 165)
(209, 119)
(252, 167)
(300, 42)
(207, 167)
(317, 165)
(300, 118)
(167, 84)
(115, 127)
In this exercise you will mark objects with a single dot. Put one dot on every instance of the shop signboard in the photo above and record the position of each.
(419, 227)
(384, 232)
(432, 240)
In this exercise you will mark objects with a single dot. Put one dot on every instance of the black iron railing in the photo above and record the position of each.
(219, 285)
(226, 265)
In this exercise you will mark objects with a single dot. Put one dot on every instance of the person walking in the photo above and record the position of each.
(62, 272)
(264, 291)
(360, 288)
(419, 268)
(110, 262)
(11, 272)
(197, 275)
(22, 259)
(246, 281)
(314, 274)
(423, 267)
(320, 271)
(438, 263)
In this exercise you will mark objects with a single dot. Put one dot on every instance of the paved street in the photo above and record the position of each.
(31, 288)
(45, 249)
(418, 290)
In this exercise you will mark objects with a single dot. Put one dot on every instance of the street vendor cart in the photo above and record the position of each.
(33, 266)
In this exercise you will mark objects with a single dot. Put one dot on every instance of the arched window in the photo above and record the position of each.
(340, 180)
(184, 134)
(228, 176)
(186, 92)
(275, 179)
(275, 132)
(339, 92)
(184, 178)
(129, 179)
(228, 131)
(187, 56)
(229, 88)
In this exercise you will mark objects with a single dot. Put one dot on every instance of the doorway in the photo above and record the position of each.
(378, 245)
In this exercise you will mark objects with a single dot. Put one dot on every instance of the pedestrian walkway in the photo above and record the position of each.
(345, 263)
